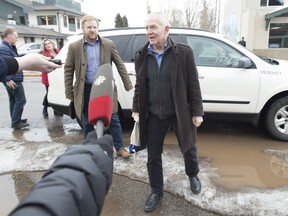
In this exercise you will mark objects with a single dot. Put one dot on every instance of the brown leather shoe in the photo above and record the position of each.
(123, 153)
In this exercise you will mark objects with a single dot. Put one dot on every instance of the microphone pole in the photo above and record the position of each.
(101, 99)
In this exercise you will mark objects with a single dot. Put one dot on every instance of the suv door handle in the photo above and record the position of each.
(132, 73)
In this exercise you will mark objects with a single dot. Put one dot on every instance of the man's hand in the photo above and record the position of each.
(135, 116)
(36, 62)
(11, 84)
(197, 120)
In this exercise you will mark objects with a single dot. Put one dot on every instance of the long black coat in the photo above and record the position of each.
(76, 184)
(185, 89)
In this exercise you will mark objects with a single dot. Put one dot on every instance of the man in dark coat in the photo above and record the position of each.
(167, 94)
(13, 83)
(76, 184)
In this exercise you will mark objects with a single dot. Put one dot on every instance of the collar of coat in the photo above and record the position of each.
(170, 45)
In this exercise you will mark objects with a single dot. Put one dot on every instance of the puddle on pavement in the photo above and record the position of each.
(14, 187)
(8, 197)
(243, 158)
(251, 160)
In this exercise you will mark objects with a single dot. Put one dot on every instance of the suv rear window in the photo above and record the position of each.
(120, 42)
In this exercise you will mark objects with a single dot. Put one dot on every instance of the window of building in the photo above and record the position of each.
(38, 1)
(41, 20)
(72, 25)
(46, 20)
(65, 21)
(78, 23)
(51, 20)
(22, 20)
(278, 35)
(271, 2)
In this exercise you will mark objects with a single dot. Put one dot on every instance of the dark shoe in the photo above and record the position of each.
(45, 112)
(195, 184)
(24, 120)
(20, 125)
(152, 202)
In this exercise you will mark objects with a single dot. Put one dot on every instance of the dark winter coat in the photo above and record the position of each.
(10, 50)
(8, 65)
(76, 184)
(185, 89)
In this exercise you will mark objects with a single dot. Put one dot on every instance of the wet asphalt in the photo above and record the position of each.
(231, 176)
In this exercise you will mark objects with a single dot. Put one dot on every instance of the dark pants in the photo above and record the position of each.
(17, 101)
(45, 99)
(156, 131)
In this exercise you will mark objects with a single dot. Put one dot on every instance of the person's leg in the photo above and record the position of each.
(191, 156)
(156, 131)
(87, 127)
(116, 131)
(191, 162)
(11, 98)
(20, 101)
(192, 169)
(117, 135)
(45, 104)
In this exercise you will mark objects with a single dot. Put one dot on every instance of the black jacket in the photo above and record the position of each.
(10, 50)
(76, 184)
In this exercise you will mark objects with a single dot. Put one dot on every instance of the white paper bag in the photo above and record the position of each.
(135, 139)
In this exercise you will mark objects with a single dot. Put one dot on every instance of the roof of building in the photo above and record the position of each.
(28, 5)
(27, 31)
(279, 12)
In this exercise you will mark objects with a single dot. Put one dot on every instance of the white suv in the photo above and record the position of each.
(236, 84)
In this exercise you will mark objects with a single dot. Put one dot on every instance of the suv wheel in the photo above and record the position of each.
(277, 119)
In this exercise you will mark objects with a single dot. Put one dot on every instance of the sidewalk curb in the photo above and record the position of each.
(32, 73)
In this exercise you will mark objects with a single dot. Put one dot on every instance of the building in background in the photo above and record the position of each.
(263, 23)
(38, 19)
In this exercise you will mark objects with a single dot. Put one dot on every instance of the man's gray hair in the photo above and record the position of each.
(161, 16)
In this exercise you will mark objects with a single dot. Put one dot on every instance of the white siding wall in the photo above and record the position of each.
(60, 28)
(246, 18)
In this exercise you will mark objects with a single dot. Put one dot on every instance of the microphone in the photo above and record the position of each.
(101, 99)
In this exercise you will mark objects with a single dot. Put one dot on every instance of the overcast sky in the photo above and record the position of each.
(134, 10)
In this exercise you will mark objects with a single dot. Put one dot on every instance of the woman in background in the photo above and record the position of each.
(49, 50)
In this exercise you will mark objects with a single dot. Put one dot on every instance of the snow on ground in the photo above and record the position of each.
(19, 156)
(248, 201)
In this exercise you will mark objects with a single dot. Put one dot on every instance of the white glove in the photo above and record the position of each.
(135, 116)
(197, 120)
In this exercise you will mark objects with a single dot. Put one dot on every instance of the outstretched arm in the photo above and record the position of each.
(76, 183)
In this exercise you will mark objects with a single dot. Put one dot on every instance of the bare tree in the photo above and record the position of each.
(197, 14)
(207, 19)
(148, 7)
(176, 18)
(191, 7)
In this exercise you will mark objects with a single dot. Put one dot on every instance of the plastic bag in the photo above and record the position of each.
(135, 139)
